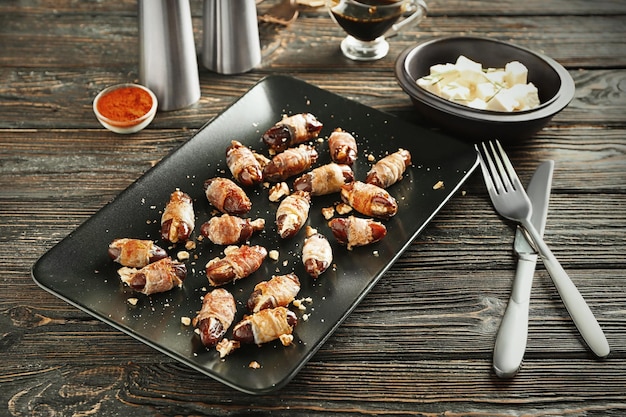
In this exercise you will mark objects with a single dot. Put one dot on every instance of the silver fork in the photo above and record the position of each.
(510, 200)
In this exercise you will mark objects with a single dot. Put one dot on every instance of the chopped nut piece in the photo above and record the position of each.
(273, 254)
(226, 347)
(133, 301)
(328, 212)
(190, 245)
(286, 339)
(278, 191)
(438, 185)
(182, 255)
(254, 365)
(371, 158)
(230, 249)
(343, 208)
(186, 321)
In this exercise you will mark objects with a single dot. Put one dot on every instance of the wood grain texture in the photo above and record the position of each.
(420, 343)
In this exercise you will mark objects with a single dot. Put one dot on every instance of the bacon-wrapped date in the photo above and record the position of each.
(230, 230)
(238, 263)
(317, 254)
(326, 179)
(342, 146)
(292, 130)
(159, 276)
(279, 291)
(135, 253)
(290, 162)
(215, 317)
(389, 169)
(178, 219)
(226, 196)
(355, 231)
(369, 199)
(292, 213)
(243, 164)
(266, 325)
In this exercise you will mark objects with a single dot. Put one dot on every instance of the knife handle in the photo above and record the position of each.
(511, 339)
(578, 309)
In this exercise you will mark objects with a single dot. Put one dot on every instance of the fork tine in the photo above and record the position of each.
(512, 175)
(494, 173)
(503, 173)
(486, 174)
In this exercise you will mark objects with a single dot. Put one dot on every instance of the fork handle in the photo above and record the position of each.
(574, 302)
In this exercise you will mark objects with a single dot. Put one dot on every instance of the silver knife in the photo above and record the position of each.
(513, 332)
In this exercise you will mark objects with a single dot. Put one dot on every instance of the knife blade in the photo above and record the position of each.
(513, 332)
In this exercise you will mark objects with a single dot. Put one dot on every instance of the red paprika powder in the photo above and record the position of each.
(124, 104)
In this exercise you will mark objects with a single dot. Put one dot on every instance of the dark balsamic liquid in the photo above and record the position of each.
(368, 21)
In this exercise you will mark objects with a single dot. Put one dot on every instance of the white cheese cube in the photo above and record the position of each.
(455, 92)
(516, 73)
(526, 96)
(485, 91)
(495, 76)
(478, 104)
(471, 73)
(430, 84)
(503, 101)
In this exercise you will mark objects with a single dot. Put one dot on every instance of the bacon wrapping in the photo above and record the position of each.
(355, 231)
(290, 162)
(215, 317)
(326, 179)
(292, 213)
(279, 291)
(266, 325)
(226, 196)
(135, 253)
(389, 169)
(317, 254)
(291, 131)
(369, 199)
(243, 164)
(230, 230)
(178, 219)
(159, 276)
(343, 148)
(238, 263)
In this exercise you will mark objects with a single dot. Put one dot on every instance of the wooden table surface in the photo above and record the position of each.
(421, 341)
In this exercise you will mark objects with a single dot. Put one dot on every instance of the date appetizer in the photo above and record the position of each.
(355, 231)
(215, 317)
(317, 254)
(135, 253)
(342, 145)
(238, 262)
(389, 169)
(243, 164)
(369, 199)
(230, 230)
(291, 131)
(266, 325)
(292, 213)
(226, 196)
(326, 179)
(159, 276)
(178, 219)
(279, 291)
(290, 162)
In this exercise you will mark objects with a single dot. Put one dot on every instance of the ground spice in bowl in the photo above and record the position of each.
(125, 108)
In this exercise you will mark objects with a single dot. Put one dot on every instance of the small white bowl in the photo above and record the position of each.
(126, 126)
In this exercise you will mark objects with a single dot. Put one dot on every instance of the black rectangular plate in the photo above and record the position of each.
(79, 271)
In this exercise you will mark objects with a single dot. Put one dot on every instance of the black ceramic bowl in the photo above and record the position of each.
(554, 84)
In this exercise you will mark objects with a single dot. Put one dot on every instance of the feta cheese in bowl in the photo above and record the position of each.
(498, 89)
(469, 73)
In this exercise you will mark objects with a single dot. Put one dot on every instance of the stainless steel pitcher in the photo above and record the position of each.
(168, 64)
(230, 36)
